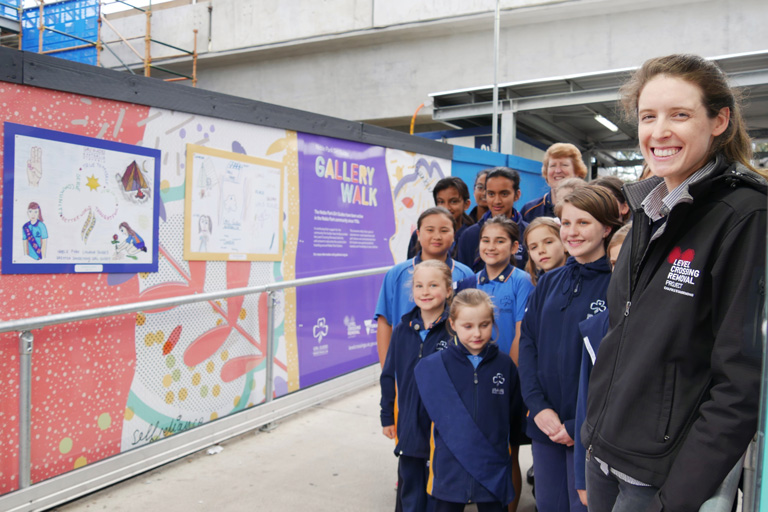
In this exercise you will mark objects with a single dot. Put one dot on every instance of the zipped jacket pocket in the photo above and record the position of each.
(667, 402)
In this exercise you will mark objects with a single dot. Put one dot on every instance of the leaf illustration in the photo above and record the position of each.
(239, 366)
(173, 339)
(206, 345)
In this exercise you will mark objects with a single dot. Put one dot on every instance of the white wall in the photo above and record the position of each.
(369, 59)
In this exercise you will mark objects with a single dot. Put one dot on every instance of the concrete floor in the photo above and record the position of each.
(331, 457)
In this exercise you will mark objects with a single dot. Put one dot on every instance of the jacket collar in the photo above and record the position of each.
(448, 260)
(724, 174)
(489, 352)
(515, 216)
(417, 324)
(548, 199)
(575, 274)
(483, 278)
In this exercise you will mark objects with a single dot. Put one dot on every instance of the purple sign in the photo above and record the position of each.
(346, 219)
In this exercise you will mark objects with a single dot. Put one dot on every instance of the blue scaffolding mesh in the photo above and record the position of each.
(7, 9)
(79, 18)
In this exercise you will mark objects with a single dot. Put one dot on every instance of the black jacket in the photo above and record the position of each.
(673, 397)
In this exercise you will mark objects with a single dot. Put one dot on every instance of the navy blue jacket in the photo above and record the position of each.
(469, 242)
(406, 348)
(488, 400)
(540, 207)
(550, 344)
(592, 331)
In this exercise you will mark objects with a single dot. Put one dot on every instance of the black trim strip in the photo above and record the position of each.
(58, 74)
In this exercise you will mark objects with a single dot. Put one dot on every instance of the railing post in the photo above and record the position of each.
(26, 339)
(751, 463)
(270, 355)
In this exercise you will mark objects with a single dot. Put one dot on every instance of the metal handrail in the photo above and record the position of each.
(26, 341)
(38, 322)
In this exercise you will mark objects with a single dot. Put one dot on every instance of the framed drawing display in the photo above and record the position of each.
(234, 206)
(75, 204)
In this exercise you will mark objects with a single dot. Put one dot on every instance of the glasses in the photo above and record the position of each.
(480, 187)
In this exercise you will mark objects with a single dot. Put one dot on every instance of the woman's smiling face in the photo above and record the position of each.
(674, 129)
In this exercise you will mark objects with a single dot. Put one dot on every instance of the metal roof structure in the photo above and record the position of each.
(563, 109)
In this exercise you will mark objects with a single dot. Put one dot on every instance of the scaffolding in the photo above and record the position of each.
(10, 23)
(72, 29)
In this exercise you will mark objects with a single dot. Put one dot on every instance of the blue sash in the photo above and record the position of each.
(460, 433)
(31, 239)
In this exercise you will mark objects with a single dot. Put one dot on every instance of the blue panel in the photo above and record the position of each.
(79, 18)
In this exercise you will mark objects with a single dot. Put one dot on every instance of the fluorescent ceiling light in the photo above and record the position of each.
(605, 122)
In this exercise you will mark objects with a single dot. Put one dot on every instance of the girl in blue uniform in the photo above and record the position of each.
(509, 288)
(550, 345)
(545, 249)
(421, 332)
(471, 392)
(436, 234)
(507, 285)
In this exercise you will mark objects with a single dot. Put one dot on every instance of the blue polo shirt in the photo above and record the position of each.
(470, 241)
(509, 292)
(396, 298)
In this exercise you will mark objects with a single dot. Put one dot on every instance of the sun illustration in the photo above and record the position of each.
(93, 182)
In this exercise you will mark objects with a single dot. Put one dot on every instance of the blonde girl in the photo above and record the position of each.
(421, 332)
(545, 249)
(471, 392)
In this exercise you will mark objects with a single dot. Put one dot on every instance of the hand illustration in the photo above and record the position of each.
(35, 166)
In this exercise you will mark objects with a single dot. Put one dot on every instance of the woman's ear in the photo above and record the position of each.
(721, 121)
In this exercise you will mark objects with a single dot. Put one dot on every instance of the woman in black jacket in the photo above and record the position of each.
(673, 396)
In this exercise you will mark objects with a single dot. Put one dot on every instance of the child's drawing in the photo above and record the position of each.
(132, 243)
(35, 233)
(85, 205)
(204, 230)
(35, 166)
(207, 180)
(133, 184)
(241, 197)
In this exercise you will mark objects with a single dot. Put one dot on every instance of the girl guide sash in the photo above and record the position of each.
(31, 239)
(458, 430)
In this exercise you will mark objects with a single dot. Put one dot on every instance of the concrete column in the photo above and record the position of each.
(508, 132)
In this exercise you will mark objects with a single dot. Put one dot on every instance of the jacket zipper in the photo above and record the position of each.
(632, 280)
(474, 417)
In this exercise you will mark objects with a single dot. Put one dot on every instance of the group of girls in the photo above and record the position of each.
(480, 370)
(465, 402)
(435, 470)
(450, 394)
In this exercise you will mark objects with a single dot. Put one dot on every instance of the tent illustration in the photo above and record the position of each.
(132, 179)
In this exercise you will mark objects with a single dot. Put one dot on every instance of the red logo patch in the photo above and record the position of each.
(677, 254)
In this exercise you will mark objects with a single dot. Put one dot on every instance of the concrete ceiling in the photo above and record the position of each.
(563, 109)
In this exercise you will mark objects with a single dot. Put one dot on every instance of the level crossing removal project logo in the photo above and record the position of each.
(682, 276)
